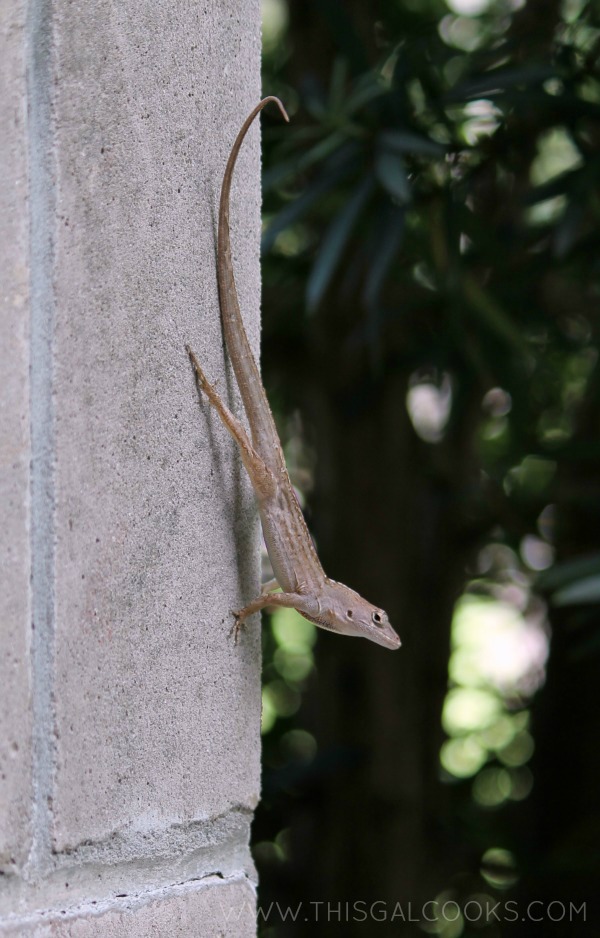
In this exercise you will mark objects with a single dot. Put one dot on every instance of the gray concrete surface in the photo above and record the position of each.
(137, 516)
(210, 910)
(15, 598)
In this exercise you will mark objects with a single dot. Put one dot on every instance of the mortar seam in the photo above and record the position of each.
(127, 902)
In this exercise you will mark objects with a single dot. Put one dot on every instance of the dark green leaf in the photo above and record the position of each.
(586, 590)
(364, 93)
(493, 315)
(336, 169)
(559, 185)
(501, 79)
(334, 242)
(315, 155)
(568, 572)
(391, 173)
(407, 141)
(569, 229)
(389, 240)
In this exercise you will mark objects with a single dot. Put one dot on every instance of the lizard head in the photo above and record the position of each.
(343, 610)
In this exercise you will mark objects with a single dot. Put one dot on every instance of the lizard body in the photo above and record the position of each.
(296, 566)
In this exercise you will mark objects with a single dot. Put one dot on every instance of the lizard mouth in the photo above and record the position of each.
(388, 639)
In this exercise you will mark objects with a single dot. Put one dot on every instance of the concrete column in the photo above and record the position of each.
(129, 752)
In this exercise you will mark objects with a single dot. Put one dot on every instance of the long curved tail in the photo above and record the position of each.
(264, 434)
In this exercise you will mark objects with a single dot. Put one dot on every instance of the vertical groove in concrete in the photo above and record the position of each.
(41, 220)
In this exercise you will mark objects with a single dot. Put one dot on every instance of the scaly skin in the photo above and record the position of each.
(296, 566)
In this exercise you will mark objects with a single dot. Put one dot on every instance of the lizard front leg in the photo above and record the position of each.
(302, 603)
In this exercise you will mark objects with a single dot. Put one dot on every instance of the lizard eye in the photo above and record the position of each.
(349, 613)
(377, 618)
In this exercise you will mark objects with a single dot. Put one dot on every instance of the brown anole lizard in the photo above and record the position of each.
(296, 565)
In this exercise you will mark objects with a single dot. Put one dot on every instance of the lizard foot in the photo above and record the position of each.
(237, 627)
(200, 377)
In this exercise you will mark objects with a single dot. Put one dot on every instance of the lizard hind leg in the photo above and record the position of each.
(263, 480)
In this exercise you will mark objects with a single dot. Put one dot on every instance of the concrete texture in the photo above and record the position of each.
(15, 596)
(156, 524)
(143, 532)
(213, 908)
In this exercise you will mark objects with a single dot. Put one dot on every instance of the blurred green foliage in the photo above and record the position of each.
(440, 184)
